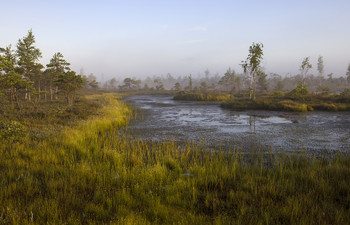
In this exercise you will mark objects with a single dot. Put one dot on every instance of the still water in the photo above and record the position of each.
(162, 118)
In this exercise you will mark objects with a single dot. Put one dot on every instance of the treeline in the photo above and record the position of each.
(232, 81)
(24, 79)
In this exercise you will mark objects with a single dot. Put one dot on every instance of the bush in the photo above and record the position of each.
(299, 92)
(12, 131)
(278, 94)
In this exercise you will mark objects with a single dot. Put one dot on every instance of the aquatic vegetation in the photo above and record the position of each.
(91, 173)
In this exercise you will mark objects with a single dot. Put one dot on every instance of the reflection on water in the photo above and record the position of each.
(211, 125)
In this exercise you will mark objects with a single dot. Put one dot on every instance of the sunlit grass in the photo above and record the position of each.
(202, 96)
(92, 174)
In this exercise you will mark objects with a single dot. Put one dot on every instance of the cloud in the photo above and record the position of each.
(199, 28)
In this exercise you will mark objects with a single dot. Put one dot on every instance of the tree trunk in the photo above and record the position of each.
(51, 92)
(250, 86)
(254, 85)
(39, 92)
(16, 99)
(11, 96)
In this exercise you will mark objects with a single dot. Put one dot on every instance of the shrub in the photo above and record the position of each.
(299, 92)
(278, 94)
(12, 131)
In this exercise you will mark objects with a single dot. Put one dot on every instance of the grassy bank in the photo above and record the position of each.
(202, 96)
(278, 101)
(90, 173)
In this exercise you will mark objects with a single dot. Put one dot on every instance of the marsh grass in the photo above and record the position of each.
(88, 174)
(280, 102)
(202, 96)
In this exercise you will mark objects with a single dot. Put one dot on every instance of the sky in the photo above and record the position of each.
(151, 38)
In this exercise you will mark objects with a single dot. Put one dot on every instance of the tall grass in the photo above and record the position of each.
(91, 174)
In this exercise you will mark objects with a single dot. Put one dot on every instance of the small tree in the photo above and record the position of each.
(320, 66)
(348, 74)
(57, 66)
(253, 63)
(28, 56)
(190, 82)
(304, 68)
(159, 84)
(177, 86)
(11, 83)
(203, 86)
(69, 83)
(299, 92)
(262, 82)
(228, 80)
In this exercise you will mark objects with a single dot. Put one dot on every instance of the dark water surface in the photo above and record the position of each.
(209, 124)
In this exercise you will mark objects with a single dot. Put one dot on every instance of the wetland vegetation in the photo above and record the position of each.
(66, 156)
(87, 173)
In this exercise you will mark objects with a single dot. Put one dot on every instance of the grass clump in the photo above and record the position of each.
(202, 96)
(92, 174)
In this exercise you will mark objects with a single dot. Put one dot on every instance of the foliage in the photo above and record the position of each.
(130, 84)
(189, 87)
(262, 81)
(69, 82)
(278, 94)
(252, 64)
(228, 80)
(177, 86)
(320, 66)
(12, 131)
(28, 66)
(11, 83)
(304, 68)
(348, 74)
(159, 85)
(299, 92)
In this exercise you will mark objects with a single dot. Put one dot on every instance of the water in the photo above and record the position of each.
(210, 125)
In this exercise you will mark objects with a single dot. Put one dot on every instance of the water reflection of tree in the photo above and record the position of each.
(252, 127)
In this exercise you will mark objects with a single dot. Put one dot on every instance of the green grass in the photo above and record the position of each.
(90, 173)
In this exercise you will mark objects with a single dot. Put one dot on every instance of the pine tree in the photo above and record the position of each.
(57, 66)
(28, 57)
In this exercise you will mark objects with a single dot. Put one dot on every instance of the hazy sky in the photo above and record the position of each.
(146, 38)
